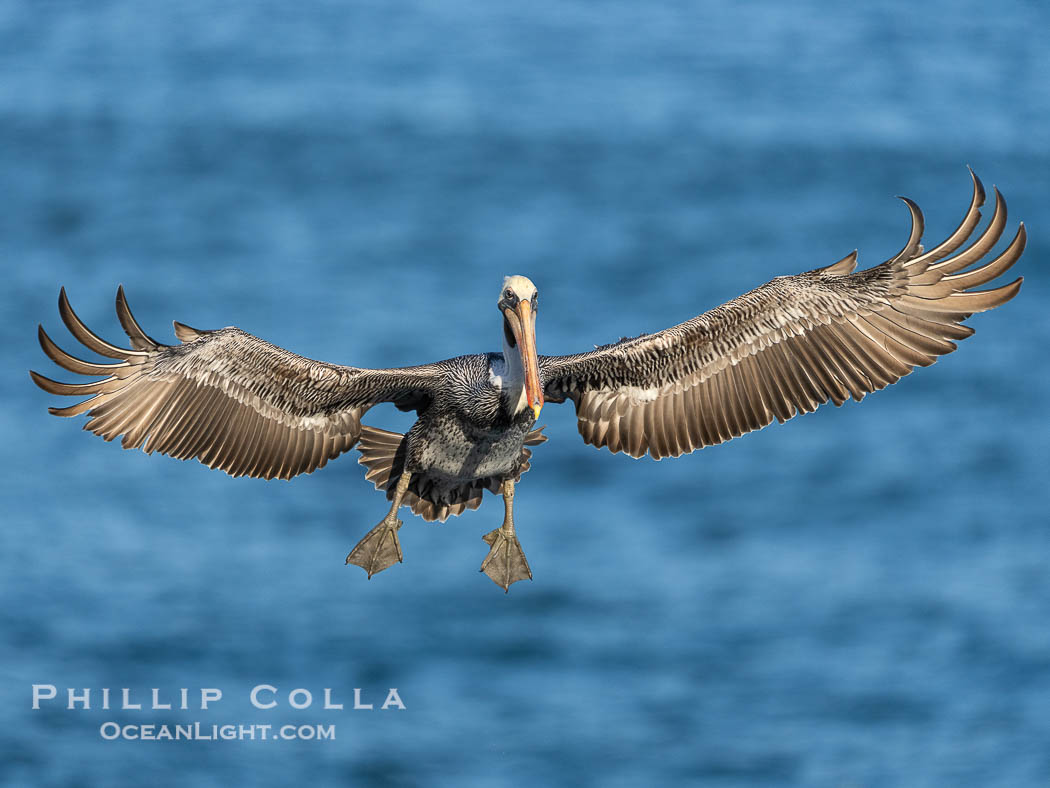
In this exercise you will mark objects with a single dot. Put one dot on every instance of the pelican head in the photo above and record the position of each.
(517, 302)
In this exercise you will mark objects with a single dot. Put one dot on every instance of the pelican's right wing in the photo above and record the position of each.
(226, 398)
(786, 347)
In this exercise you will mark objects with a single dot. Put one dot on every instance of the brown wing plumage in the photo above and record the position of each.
(225, 397)
(786, 347)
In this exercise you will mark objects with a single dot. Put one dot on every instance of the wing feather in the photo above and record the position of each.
(788, 346)
(225, 397)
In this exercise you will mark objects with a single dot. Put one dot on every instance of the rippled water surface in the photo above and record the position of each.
(858, 597)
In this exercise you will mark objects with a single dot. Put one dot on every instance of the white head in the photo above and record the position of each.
(520, 287)
(517, 302)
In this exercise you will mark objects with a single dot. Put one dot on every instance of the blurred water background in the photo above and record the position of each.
(859, 597)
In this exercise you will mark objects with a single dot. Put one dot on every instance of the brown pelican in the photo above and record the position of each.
(240, 404)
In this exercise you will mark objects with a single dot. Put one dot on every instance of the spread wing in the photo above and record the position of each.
(787, 347)
(225, 397)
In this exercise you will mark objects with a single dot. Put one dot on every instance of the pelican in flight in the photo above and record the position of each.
(240, 404)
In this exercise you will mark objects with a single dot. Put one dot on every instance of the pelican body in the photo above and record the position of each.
(249, 408)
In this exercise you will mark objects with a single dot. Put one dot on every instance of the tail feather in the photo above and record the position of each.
(383, 457)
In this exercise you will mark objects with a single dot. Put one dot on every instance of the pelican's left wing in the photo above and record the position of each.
(787, 347)
(226, 398)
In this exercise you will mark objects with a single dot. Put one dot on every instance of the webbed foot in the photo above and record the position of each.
(379, 549)
(505, 563)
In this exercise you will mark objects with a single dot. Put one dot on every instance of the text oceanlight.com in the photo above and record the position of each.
(197, 732)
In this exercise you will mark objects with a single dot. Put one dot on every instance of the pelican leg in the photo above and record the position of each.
(380, 547)
(505, 563)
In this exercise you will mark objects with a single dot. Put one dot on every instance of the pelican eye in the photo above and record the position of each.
(508, 294)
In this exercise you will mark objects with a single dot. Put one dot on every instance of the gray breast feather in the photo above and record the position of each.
(431, 497)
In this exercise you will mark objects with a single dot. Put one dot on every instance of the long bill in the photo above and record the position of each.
(524, 329)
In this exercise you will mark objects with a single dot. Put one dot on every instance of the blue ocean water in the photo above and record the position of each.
(858, 597)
